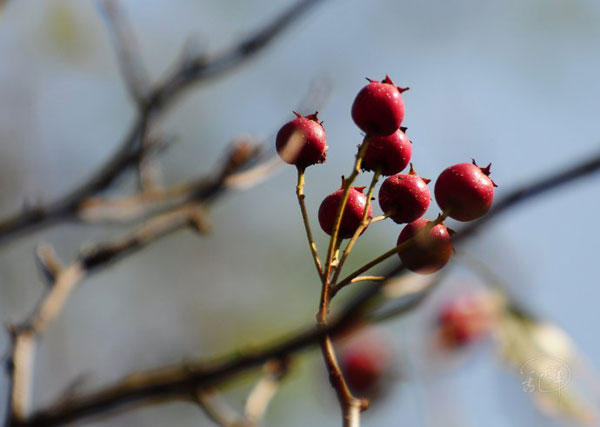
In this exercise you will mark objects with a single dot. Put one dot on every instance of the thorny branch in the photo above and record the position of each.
(178, 382)
(130, 151)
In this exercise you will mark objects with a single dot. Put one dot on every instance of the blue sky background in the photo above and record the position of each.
(514, 83)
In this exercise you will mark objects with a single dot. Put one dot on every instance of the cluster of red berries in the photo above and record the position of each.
(463, 192)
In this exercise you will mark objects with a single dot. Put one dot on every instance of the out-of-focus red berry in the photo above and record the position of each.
(365, 359)
(467, 318)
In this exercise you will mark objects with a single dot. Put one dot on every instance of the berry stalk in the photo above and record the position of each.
(348, 279)
(366, 221)
(311, 242)
(338, 218)
(350, 405)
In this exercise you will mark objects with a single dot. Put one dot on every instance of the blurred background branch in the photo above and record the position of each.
(130, 153)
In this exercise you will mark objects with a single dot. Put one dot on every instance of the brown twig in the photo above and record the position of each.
(48, 263)
(130, 150)
(217, 409)
(309, 235)
(349, 404)
(365, 222)
(126, 47)
(263, 392)
(257, 402)
(349, 279)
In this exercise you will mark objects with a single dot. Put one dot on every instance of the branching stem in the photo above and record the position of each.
(365, 222)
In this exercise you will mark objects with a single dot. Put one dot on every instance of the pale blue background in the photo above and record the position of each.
(512, 82)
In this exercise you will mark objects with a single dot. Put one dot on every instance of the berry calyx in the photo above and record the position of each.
(302, 141)
(390, 154)
(353, 211)
(429, 251)
(465, 191)
(378, 108)
(405, 196)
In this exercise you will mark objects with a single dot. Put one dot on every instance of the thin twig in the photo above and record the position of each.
(333, 241)
(368, 279)
(48, 262)
(157, 201)
(127, 49)
(364, 223)
(264, 391)
(190, 213)
(311, 241)
(217, 409)
(347, 280)
(348, 403)
(68, 278)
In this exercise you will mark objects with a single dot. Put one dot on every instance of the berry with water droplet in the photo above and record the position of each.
(405, 196)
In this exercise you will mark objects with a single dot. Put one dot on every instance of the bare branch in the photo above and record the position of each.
(48, 262)
(131, 149)
(126, 46)
(188, 213)
(264, 390)
(217, 409)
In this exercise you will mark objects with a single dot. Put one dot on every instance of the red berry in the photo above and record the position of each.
(465, 191)
(391, 153)
(365, 361)
(302, 141)
(406, 196)
(429, 251)
(378, 108)
(353, 212)
(467, 318)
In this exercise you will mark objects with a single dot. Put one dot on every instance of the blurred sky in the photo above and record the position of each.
(514, 83)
